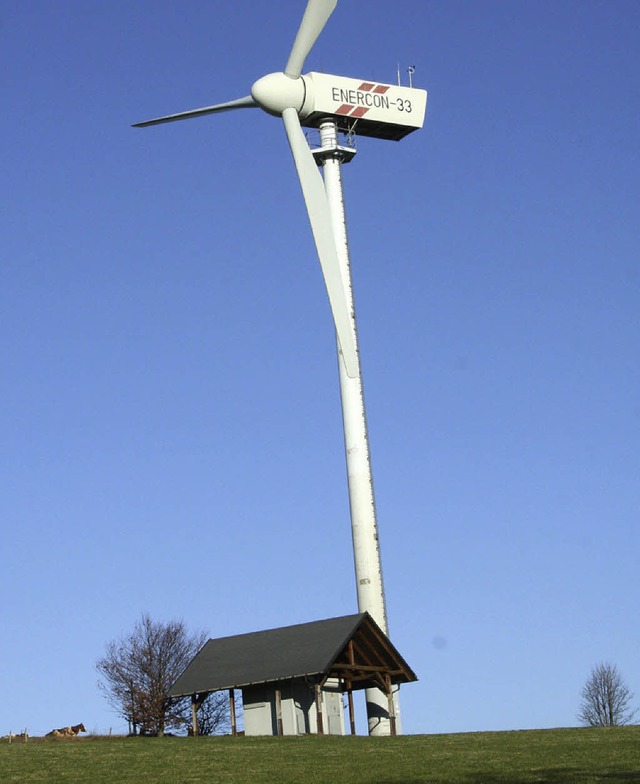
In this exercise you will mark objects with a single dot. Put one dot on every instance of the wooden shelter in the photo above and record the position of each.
(293, 678)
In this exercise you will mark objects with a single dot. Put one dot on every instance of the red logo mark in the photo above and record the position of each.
(359, 103)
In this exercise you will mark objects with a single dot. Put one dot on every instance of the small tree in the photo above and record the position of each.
(605, 698)
(138, 670)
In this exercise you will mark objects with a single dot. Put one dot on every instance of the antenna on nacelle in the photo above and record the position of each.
(411, 69)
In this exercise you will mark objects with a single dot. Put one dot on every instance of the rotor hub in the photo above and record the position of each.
(276, 92)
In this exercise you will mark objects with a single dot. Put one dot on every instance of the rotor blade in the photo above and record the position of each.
(315, 17)
(315, 198)
(240, 103)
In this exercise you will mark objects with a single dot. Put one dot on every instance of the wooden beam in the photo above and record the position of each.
(194, 714)
(319, 709)
(365, 668)
(279, 712)
(356, 677)
(232, 710)
(196, 702)
(391, 706)
(358, 651)
(352, 714)
(370, 655)
(382, 681)
(367, 650)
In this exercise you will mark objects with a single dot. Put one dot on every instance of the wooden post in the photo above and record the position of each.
(392, 707)
(319, 709)
(279, 712)
(352, 715)
(194, 714)
(232, 708)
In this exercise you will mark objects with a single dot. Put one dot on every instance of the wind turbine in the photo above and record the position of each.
(366, 108)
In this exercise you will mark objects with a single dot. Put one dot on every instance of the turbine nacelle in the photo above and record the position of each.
(368, 108)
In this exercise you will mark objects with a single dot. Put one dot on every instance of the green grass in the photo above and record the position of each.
(555, 756)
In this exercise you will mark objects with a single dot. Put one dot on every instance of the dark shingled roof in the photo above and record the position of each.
(306, 649)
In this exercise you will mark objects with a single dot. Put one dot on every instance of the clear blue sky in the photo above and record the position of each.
(170, 419)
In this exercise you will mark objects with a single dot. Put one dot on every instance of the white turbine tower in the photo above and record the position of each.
(366, 108)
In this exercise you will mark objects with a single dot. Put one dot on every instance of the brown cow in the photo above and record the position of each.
(66, 732)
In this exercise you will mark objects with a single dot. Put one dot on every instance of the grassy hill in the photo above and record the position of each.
(556, 756)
